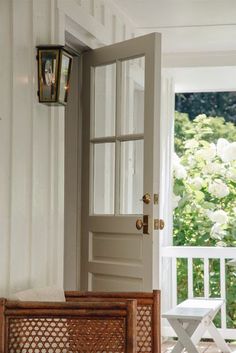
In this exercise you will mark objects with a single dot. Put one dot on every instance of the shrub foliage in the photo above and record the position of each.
(204, 199)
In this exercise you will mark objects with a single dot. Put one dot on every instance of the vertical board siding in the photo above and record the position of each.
(41, 161)
(32, 139)
(5, 142)
(21, 148)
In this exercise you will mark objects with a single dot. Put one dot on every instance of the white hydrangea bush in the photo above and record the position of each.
(204, 199)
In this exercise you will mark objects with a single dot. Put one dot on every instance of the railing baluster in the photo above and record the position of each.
(222, 292)
(190, 277)
(174, 281)
(220, 254)
(206, 278)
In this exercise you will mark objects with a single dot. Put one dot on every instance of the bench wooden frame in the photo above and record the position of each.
(21, 326)
(148, 314)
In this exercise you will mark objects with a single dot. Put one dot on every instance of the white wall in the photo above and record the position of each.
(32, 135)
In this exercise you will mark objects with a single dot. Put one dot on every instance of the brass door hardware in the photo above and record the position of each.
(142, 223)
(159, 224)
(146, 198)
(155, 199)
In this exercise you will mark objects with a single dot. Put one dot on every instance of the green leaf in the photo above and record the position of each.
(199, 195)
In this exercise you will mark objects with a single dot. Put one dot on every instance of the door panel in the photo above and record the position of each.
(121, 117)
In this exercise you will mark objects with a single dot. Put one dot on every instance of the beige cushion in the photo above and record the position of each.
(44, 294)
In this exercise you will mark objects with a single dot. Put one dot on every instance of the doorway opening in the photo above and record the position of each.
(204, 198)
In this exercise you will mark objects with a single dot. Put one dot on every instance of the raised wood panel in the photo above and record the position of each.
(99, 11)
(105, 283)
(88, 5)
(101, 19)
(115, 247)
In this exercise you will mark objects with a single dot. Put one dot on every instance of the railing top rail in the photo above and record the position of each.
(199, 252)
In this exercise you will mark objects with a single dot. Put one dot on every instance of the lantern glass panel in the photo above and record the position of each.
(48, 74)
(64, 78)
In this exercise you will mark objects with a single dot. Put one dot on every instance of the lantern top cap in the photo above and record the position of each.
(70, 52)
(50, 46)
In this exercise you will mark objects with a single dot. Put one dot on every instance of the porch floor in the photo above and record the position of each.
(203, 347)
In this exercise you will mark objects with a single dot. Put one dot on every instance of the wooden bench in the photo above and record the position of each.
(89, 327)
(148, 314)
(191, 319)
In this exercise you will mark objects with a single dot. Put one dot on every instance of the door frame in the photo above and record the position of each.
(89, 31)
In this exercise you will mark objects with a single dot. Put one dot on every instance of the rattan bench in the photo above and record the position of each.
(148, 314)
(78, 327)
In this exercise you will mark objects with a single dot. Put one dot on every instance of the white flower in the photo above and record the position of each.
(176, 159)
(221, 243)
(178, 169)
(218, 189)
(196, 182)
(217, 232)
(175, 200)
(230, 152)
(180, 172)
(226, 150)
(212, 168)
(200, 117)
(218, 216)
(220, 147)
(207, 153)
(191, 161)
(231, 174)
(191, 143)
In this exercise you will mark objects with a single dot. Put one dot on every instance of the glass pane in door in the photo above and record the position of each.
(131, 177)
(104, 178)
(104, 100)
(132, 96)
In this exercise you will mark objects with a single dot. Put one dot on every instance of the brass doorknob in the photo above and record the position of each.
(142, 223)
(139, 224)
(146, 198)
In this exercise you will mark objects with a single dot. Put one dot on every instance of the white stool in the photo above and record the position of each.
(191, 319)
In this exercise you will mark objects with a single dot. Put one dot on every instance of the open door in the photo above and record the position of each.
(121, 158)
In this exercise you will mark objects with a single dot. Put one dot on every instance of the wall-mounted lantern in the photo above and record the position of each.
(54, 67)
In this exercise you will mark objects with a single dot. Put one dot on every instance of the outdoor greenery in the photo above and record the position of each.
(204, 199)
(209, 103)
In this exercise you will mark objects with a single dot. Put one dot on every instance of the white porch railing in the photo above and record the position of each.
(205, 254)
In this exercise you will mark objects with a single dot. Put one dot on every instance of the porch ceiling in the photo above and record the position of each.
(187, 25)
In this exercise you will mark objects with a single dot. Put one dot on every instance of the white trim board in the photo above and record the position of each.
(203, 79)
